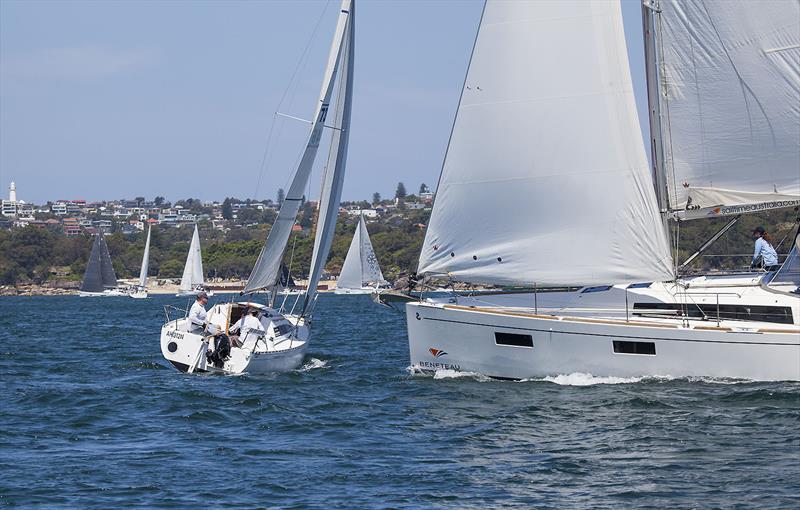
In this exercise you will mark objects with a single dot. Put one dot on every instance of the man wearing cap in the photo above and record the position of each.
(764, 255)
(197, 314)
(247, 322)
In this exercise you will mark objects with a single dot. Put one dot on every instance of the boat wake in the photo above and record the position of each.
(313, 364)
(582, 379)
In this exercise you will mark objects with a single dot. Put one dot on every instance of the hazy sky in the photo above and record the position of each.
(113, 99)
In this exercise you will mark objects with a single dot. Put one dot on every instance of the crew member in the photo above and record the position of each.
(764, 255)
(197, 314)
(247, 323)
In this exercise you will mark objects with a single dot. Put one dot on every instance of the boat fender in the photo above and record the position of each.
(221, 352)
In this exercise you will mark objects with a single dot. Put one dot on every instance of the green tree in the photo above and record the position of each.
(158, 201)
(423, 188)
(400, 192)
(281, 196)
(227, 210)
(376, 198)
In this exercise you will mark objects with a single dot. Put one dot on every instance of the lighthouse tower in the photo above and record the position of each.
(12, 192)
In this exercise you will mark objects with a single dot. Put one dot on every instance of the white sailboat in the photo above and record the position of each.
(361, 273)
(283, 343)
(99, 280)
(547, 135)
(140, 291)
(193, 279)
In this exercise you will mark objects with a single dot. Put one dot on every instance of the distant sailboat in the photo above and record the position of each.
(282, 343)
(361, 273)
(99, 279)
(193, 280)
(140, 291)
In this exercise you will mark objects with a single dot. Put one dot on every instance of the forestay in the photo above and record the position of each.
(193, 275)
(730, 104)
(266, 271)
(545, 180)
(337, 157)
(360, 265)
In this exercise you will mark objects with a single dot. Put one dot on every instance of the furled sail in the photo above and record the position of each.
(266, 271)
(193, 275)
(729, 75)
(337, 156)
(145, 262)
(360, 266)
(545, 180)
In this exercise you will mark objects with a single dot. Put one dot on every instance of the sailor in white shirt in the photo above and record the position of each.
(247, 323)
(197, 314)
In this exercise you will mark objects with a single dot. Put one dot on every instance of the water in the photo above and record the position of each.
(93, 417)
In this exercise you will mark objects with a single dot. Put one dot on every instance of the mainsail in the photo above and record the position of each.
(360, 266)
(729, 91)
(145, 262)
(99, 273)
(193, 270)
(267, 268)
(337, 157)
(545, 180)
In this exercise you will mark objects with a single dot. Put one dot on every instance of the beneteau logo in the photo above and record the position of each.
(436, 352)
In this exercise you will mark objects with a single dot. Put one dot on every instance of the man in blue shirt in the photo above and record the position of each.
(764, 255)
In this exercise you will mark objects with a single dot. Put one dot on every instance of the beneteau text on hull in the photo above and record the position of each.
(285, 336)
(567, 198)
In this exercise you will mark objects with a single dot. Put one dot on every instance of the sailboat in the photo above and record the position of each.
(284, 341)
(99, 278)
(140, 291)
(193, 279)
(361, 273)
(547, 134)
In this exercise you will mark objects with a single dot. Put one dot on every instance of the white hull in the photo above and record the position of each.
(363, 290)
(274, 352)
(193, 293)
(138, 294)
(105, 293)
(445, 336)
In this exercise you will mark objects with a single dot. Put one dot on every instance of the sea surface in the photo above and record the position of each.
(91, 416)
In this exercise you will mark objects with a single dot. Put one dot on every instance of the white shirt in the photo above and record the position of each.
(246, 324)
(197, 317)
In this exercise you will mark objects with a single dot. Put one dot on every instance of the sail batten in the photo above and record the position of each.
(266, 272)
(545, 179)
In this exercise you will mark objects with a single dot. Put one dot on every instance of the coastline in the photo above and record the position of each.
(71, 288)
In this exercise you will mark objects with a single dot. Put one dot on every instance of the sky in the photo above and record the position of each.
(101, 100)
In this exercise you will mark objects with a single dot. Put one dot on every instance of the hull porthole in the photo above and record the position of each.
(172, 347)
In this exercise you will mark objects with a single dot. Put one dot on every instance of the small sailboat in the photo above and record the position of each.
(140, 291)
(99, 279)
(361, 273)
(193, 279)
(281, 342)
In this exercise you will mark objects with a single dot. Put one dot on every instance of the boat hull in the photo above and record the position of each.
(105, 293)
(464, 339)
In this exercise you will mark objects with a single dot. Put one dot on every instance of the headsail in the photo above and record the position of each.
(545, 180)
(106, 268)
(267, 268)
(193, 275)
(337, 157)
(92, 278)
(145, 262)
(360, 266)
(729, 76)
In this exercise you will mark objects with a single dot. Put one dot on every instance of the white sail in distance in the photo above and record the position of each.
(360, 266)
(145, 262)
(545, 179)
(729, 92)
(337, 157)
(266, 271)
(193, 270)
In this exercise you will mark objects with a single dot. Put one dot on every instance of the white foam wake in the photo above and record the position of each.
(456, 374)
(313, 364)
(582, 379)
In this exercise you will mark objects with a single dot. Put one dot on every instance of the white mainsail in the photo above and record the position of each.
(545, 180)
(266, 271)
(193, 271)
(145, 262)
(337, 157)
(360, 266)
(729, 92)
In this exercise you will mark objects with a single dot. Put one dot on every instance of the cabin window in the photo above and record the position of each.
(282, 329)
(640, 285)
(513, 339)
(622, 347)
(757, 313)
(600, 288)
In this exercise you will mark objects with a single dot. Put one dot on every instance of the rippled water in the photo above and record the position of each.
(93, 417)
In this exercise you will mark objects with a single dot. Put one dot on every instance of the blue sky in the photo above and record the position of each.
(113, 99)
